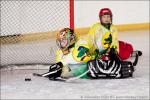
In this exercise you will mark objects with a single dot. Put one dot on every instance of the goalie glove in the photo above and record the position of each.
(55, 71)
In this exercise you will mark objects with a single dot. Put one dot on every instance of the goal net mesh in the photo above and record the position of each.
(28, 29)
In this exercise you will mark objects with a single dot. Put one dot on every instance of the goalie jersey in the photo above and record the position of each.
(78, 56)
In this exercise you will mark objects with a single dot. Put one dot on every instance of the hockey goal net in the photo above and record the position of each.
(28, 29)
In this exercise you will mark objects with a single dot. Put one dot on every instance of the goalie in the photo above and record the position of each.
(78, 56)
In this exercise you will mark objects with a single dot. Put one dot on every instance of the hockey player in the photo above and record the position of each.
(79, 57)
(105, 36)
(74, 53)
(72, 56)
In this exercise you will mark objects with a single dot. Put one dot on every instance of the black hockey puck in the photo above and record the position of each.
(27, 79)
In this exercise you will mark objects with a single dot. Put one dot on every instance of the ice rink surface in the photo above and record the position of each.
(13, 85)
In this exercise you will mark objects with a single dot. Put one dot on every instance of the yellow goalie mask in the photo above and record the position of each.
(65, 39)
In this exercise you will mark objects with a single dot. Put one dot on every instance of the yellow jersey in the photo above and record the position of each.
(98, 33)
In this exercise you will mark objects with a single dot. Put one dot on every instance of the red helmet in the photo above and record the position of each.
(105, 11)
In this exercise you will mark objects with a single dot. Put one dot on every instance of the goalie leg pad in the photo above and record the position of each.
(127, 69)
(110, 69)
(104, 69)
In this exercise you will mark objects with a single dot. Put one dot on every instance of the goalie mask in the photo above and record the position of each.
(65, 39)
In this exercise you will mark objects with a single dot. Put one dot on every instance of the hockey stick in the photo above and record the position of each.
(36, 74)
(77, 77)
(42, 75)
(45, 74)
(62, 79)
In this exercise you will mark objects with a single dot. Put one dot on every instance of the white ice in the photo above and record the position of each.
(13, 85)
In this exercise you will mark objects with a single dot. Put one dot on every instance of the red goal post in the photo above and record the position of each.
(72, 14)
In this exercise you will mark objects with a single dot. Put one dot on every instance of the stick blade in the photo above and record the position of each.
(36, 74)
